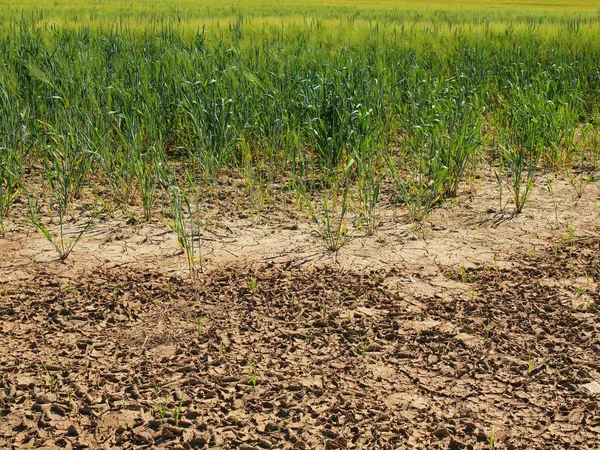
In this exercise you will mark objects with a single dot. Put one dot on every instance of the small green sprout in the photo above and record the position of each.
(253, 284)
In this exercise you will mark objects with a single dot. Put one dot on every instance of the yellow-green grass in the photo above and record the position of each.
(195, 14)
(331, 23)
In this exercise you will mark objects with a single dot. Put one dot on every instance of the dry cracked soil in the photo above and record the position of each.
(477, 334)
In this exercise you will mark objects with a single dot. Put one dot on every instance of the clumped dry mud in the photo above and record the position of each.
(305, 358)
(475, 333)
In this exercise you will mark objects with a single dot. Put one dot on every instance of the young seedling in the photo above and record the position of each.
(569, 238)
(65, 172)
(187, 235)
(177, 414)
(160, 410)
(522, 169)
(253, 284)
(9, 184)
(463, 275)
(498, 174)
(253, 377)
(550, 188)
(331, 219)
(48, 378)
(61, 243)
(491, 439)
(579, 183)
(487, 328)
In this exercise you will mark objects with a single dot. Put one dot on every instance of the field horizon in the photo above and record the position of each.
(184, 14)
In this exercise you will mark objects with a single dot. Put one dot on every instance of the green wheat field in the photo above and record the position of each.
(299, 224)
(336, 101)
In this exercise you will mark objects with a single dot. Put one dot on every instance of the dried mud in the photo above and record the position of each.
(277, 356)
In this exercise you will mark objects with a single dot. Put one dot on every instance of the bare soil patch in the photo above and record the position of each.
(468, 230)
(477, 330)
(274, 356)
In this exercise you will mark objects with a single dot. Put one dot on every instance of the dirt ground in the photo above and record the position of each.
(480, 330)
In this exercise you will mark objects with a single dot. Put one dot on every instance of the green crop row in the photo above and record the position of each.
(420, 109)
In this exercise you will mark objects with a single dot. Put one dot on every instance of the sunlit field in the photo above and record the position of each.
(191, 15)
(299, 224)
(190, 12)
(415, 99)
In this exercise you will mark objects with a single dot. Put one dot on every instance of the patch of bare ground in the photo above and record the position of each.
(307, 357)
(476, 330)
(468, 230)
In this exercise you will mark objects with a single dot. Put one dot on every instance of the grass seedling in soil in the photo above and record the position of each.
(368, 192)
(177, 413)
(522, 168)
(577, 177)
(159, 410)
(48, 378)
(65, 173)
(147, 189)
(331, 219)
(529, 366)
(253, 377)
(63, 245)
(569, 240)
(487, 328)
(253, 284)
(151, 174)
(491, 440)
(186, 234)
(9, 184)
(255, 185)
(499, 175)
(579, 182)
(550, 188)
(464, 277)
